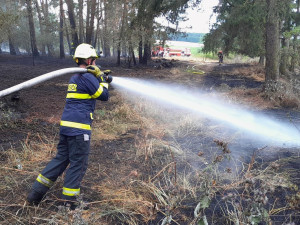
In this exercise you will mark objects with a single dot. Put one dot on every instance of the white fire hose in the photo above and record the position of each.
(41, 79)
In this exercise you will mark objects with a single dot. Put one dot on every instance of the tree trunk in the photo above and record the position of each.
(141, 50)
(99, 16)
(67, 34)
(272, 45)
(61, 30)
(121, 34)
(131, 53)
(80, 15)
(87, 19)
(12, 49)
(90, 27)
(133, 56)
(261, 60)
(47, 27)
(294, 55)
(41, 25)
(74, 43)
(284, 57)
(146, 52)
(34, 48)
(106, 38)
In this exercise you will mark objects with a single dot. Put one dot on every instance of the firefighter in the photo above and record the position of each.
(72, 49)
(75, 130)
(220, 56)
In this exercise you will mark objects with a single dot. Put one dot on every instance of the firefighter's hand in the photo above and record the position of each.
(95, 71)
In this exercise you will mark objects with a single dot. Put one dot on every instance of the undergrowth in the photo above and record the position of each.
(178, 169)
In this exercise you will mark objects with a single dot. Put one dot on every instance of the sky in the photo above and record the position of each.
(200, 20)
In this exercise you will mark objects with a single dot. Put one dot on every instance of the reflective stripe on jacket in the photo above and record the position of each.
(83, 91)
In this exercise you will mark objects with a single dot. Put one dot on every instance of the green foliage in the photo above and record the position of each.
(203, 221)
(213, 40)
(240, 28)
(8, 20)
(289, 34)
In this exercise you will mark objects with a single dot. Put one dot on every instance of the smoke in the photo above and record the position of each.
(258, 126)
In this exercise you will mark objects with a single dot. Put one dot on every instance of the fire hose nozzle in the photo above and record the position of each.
(108, 78)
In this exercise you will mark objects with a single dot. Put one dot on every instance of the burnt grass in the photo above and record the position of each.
(37, 112)
(222, 74)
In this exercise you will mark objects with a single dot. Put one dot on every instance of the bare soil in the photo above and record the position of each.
(35, 118)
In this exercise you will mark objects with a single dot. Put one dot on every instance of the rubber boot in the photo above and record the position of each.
(34, 197)
(72, 205)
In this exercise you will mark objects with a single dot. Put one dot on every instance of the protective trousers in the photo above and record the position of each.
(73, 151)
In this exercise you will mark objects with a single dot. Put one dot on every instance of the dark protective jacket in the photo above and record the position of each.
(83, 91)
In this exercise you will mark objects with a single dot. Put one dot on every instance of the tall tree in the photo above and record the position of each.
(295, 14)
(41, 25)
(70, 5)
(251, 28)
(35, 51)
(106, 29)
(48, 28)
(61, 30)
(90, 21)
(98, 16)
(121, 34)
(12, 49)
(11, 45)
(80, 16)
(272, 43)
(276, 11)
(240, 28)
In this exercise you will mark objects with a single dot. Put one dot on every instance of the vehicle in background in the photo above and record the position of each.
(162, 52)
(187, 52)
(158, 51)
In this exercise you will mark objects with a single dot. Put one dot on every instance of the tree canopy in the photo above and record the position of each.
(254, 28)
(115, 27)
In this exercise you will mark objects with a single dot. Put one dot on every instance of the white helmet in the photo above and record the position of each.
(85, 51)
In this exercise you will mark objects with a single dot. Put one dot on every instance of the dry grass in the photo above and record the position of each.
(160, 197)
(177, 170)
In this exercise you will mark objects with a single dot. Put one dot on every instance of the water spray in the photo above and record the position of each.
(256, 124)
(261, 127)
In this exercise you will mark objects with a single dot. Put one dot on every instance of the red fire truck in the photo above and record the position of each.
(160, 51)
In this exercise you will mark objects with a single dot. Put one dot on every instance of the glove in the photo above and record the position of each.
(95, 71)
(106, 72)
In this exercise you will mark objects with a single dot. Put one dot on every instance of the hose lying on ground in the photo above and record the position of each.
(40, 79)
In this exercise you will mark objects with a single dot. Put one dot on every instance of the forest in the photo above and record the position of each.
(260, 28)
(182, 140)
(55, 28)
